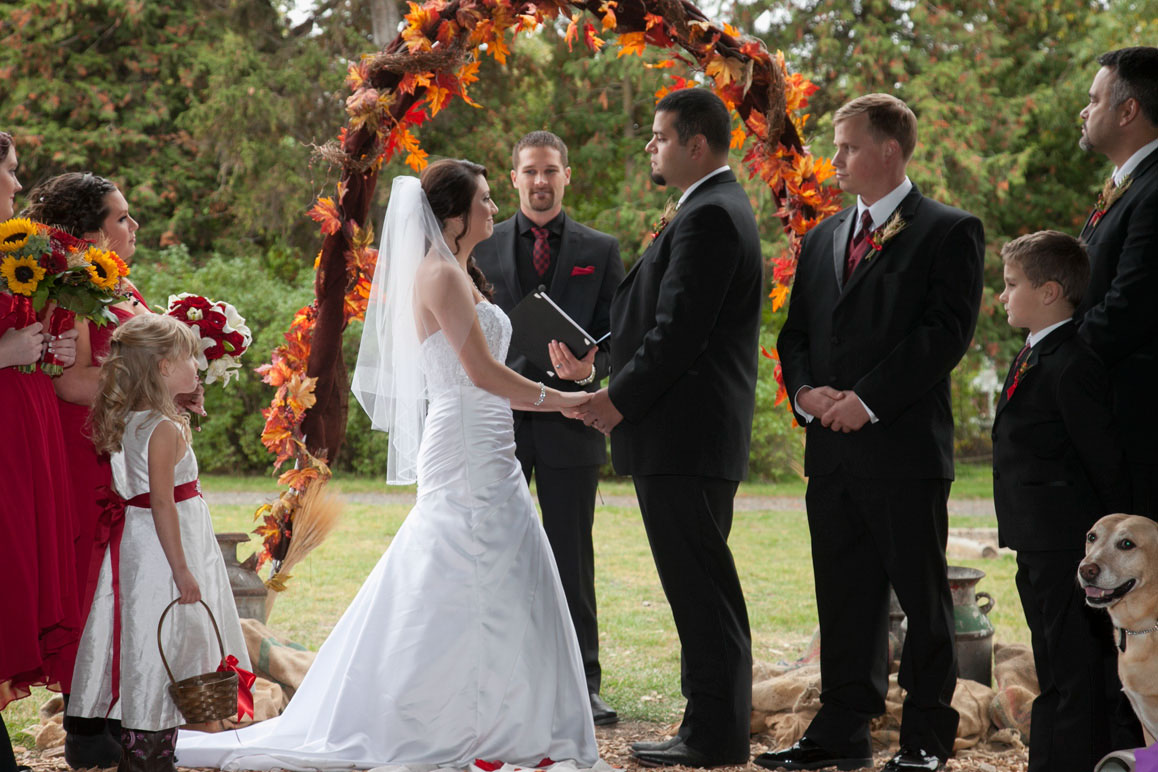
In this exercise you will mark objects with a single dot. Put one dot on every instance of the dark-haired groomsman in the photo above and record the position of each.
(883, 307)
(1119, 314)
(580, 267)
(684, 341)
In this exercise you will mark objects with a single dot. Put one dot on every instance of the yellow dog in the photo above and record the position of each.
(1120, 574)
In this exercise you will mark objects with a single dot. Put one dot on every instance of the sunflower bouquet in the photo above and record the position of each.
(222, 330)
(39, 264)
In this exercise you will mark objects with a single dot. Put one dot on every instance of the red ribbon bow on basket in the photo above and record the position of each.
(245, 681)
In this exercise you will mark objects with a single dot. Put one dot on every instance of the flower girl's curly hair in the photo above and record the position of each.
(131, 376)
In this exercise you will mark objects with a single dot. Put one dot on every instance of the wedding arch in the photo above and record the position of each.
(432, 62)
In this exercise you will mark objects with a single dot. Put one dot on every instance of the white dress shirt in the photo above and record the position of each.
(1132, 162)
(699, 182)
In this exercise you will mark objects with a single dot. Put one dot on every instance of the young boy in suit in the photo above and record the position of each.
(1058, 466)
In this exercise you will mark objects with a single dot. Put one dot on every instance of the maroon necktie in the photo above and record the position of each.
(541, 252)
(1015, 371)
(859, 245)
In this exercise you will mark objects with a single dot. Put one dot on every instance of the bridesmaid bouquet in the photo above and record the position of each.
(40, 264)
(223, 332)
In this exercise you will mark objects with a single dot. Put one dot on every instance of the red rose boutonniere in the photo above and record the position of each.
(1017, 376)
(883, 235)
(1109, 195)
(669, 212)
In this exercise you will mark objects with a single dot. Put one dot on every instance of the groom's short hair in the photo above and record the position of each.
(699, 111)
(539, 139)
(888, 117)
(1136, 71)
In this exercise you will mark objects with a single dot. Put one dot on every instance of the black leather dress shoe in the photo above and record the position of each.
(683, 755)
(913, 759)
(601, 712)
(808, 755)
(662, 745)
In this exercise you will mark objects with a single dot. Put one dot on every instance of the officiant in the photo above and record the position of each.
(580, 268)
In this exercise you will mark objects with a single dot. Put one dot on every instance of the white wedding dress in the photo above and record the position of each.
(459, 646)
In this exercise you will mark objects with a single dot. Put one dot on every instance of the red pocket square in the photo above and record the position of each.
(582, 270)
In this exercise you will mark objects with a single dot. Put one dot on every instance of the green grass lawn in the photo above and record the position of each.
(639, 648)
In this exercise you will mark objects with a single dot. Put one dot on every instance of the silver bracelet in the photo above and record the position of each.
(542, 394)
(588, 380)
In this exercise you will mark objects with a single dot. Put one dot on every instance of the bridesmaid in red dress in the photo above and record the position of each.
(38, 600)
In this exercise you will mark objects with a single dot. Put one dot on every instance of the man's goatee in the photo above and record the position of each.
(658, 179)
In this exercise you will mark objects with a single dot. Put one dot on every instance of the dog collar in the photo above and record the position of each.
(1123, 633)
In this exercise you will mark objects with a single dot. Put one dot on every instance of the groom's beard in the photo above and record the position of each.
(658, 179)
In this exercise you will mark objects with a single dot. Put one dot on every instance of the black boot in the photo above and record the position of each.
(143, 751)
(87, 742)
(7, 756)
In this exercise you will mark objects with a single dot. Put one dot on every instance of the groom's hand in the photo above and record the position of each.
(599, 412)
(817, 401)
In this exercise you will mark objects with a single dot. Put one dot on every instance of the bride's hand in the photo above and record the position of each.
(572, 401)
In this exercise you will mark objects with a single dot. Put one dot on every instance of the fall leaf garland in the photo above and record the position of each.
(433, 61)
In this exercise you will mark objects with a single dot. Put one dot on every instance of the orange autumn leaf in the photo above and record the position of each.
(608, 14)
(631, 43)
(779, 295)
(590, 38)
(723, 69)
(326, 213)
(572, 30)
(739, 136)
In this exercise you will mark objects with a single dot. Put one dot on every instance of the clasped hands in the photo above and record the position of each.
(595, 411)
(27, 345)
(840, 411)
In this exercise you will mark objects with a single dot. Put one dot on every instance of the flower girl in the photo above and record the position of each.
(165, 550)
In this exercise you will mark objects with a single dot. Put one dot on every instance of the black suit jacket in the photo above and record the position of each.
(685, 329)
(559, 441)
(892, 334)
(1119, 314)
(1057, 462)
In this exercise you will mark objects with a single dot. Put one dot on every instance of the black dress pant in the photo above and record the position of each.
(868, 534)
(687, 521)
(7, 757)
(1074, 717)
(567, 505)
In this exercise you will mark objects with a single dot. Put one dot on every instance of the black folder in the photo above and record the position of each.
(537, 320)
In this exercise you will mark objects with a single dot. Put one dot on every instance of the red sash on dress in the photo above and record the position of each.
(109, 529)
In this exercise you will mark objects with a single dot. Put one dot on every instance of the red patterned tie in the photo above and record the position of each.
(859, 245)
(541, 252)
(1016, 371)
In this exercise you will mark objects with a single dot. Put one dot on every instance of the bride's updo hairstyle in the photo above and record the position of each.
(450, 186)
(5, 143)
(73, 202)
(131, 376)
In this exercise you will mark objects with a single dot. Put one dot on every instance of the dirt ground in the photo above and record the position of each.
(615, 748)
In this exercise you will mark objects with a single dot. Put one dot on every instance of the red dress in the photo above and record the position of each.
(89, 470)
(38, 598)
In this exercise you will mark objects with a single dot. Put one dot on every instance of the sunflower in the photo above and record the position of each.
(102, 268)
(23, 274)
(14, 233)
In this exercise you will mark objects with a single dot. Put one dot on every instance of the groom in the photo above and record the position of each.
(684, 340)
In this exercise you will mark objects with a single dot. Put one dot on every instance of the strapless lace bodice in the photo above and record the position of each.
(440, 361)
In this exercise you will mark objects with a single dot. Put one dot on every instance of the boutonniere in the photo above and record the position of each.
(883, 235)
(1017, 376)
(669, 211)
(1107, 198)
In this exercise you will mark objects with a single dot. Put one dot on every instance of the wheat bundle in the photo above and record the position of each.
(317, 515)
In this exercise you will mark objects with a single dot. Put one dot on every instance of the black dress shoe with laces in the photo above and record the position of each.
(662, 745)
(808, 755)
(683, 755)
(913, 759)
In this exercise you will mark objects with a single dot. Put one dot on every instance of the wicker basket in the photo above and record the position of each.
(208, 697)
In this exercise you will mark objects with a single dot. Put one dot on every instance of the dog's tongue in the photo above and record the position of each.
(1097, 592)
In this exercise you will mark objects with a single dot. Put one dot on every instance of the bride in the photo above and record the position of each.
(458, 648)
